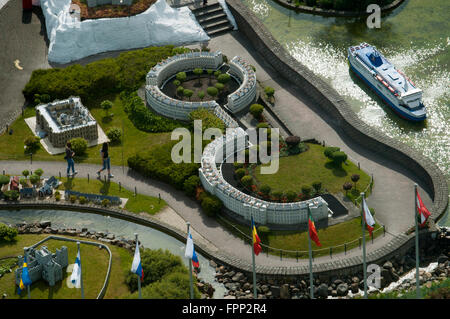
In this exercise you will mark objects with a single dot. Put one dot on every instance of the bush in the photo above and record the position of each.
(177, 83)
(11, 195)
(241, 172)
(325, 4)
(262, 125)
(238, 165)
(190, 185)
(263, 230)
(34, 179)
(265, 189)
(355, 178)
(57, 197)
(217, 73)
(23, 182)
(291, 196)
(198, 72)
(106, 202)
(278, 195)
(26, 173)
(328, 151)
(7, 234)
(269, 91)
(339, 158)
(114, 134)
(317, 186)
(292, 141)
(209, 119)
(188, 93)
(306, 190)
(73, 198)
(247, 181)
(201, 95)
(4, 180)
(82, 200)
(347, 186)
(181, 76)
(211, 205)
(32, 143)
(256, 110)
(106, 105)
(79, 145)
(212, 91)
(180, 90)
(219, 86)
(224, 78)
(39, 172)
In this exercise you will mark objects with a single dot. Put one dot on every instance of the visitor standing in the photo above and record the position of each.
(106, 161)
(69, 157)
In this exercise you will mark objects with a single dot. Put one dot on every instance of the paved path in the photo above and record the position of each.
(213, 234)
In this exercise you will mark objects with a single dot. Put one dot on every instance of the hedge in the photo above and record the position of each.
(7, 234)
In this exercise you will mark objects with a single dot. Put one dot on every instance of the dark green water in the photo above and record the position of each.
(415, 38)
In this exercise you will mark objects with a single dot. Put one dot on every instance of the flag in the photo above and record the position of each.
(255, 239)
(312, 231)
(422, 210)
(368, 219)
(190, 251)
(136, 267)
(75, 278)
(25, 278)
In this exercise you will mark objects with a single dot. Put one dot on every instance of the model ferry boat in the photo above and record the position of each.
(394, 87)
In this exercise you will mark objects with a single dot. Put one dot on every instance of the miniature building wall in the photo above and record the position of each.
(246, 93)
(263, 212)
(49, 119)
(94, 3)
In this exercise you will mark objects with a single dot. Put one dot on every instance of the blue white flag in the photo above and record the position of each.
(190, 251)
(136, 267)
(76, 273)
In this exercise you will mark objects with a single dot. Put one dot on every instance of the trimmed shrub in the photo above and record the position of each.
(106, 202)
(306, 190)
(106, 105)
(247, 181)
(355, 178)
(4, 180)
(209, 119)
(72, 199)
(265, 189)
(23, 182)
(262, 125)
(219, 86)
(211, 205)
(180, 90)
(57, 197)
(240, 173)
(7, 234)
(256, 110)
(224, 78)
(11, 195)
(82, 200)
(201, 95)
(217, 73)
(190, 185)
(328, 151)
(292, 141)
(26, 173)
(188, 93)
(39, 172)
(317, 186)
(34, 179)
(291, 196)
(238, 165)
(339, 158)
(181, 76)
(177, 83)
(347, 186)
(269, 91)
(212, 91)
(32, 143)
(198, 72)
(79, 145)
(114, 134)
(278, 195)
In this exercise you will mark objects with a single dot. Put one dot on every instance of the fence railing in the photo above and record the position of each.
(301, 254)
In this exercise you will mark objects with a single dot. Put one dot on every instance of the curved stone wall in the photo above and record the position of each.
(343, 116)
(177, 109)
(244, 205)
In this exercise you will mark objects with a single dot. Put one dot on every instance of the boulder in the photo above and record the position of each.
(45, 224)
(246, 286)
(229, 297)
(264, 288)
(322, 291)
(355, 280)
(342, 289)
(222, 269)
(354, 287)
(229, 274)
(337, 282)
(284, 292)
(387, 265)
(110, 236)
(239, 276)
(275, 290)
(212, 264)
(35, 230)
(442, 259)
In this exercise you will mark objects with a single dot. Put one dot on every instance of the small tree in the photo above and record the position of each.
(256, 110)
(347, 186)
(181, 76)
(269, 91)
(211, 205)
(355, 179)
(180, 91)
(188, 93)
(79, 145)
(23, 182)
(224, 78)
(217, 73)
(317, 186)
(219, 86)
(210, 72)
(212, 91)
(3, 180)
(177, 83)
(278, 195)
(328, 151)
(114, 134)
(190, 185)
(106, 105)
(339, 158)
(247, 181)
(240, 173)
(198, 72)
(291, 196)
(39, 172)
(34, 179)
(306, 190)
(26, 173)
(32, 143)
(201, 95)
(265, 189)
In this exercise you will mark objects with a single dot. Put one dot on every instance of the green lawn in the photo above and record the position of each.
(333, 236)
(140, 203)
(309, 167)
(12, 146)
(94, 263)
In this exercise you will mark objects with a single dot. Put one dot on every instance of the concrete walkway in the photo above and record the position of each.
(213, 234)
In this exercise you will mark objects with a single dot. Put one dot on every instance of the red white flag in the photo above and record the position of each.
(368, 219)
(422, 210)
(313, 232)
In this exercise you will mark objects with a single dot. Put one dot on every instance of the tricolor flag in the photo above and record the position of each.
(255, 239)
(312, 231)
(25, 278)
(190, 251)
(422, 210)
(75, 278)
(136, 267)
(368, 219)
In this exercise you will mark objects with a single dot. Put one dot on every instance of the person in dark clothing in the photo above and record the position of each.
(106, 161)
(205, 2)
(69, 158)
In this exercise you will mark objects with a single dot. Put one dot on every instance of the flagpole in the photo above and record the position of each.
(191, 281)
(139, 277)
(81, 273)
(364, 245)
(255, 294)
(311, 279)
(28, 287)
(417, 243)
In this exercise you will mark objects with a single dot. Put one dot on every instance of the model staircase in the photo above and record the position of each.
(212, 18)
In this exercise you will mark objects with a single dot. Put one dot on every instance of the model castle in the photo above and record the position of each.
(42, 264)
(64, 120)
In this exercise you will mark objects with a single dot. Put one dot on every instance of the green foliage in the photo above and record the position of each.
(114, 134)
(180, 90)
(156, 264)
(310, 3)
(99, 78)
(262, 125)
(181, 76)
(240, 172)
(265, 189)
(219, 86)
(328, 151)
(238, 165)
(57, 197)
(307, 190)
(317, 186)
(291, 196)
(201, 95)
(212, 91)
(211, 205)
(224, 78)
(198, 71)
(82, 200)
(188, 93)
(39, 172)
(144, 119)
(347, 186)
(73, 198)
(106, 202)
(26, 173)
(106, 105)
(263, 230)
(7, 234)
(277, 195)
(79, 145)
(23, 182)
(339, 157)
(158, 164)
(34, 179)
(256, 110)
(209, 120)
(372, 211)
(217, 73)
(247, 181)
(355, 178)
(269, 91)
(177, 83)
(4, 180)
(190, 185)
(32, 143)
(11, 195)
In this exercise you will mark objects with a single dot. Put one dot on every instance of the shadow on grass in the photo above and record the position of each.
(335, 169)
(107, 119)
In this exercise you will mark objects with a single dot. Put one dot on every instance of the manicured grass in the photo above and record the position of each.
(138, 204)
(94, 263)
(333, 236)
(12, 146)
(309, 167)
